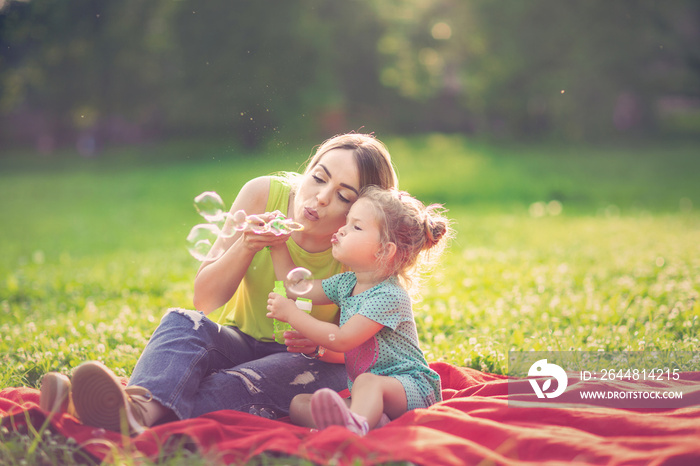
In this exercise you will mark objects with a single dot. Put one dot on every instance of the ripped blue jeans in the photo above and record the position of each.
(194, 366)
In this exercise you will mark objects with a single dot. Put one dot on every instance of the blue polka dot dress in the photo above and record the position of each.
(394, 351)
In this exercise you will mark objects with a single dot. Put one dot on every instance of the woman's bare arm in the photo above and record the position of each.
(218, 280)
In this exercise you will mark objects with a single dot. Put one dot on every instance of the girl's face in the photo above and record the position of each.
(357, 244)
(327, 192)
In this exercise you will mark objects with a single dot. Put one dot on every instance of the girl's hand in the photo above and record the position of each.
(279, 307)
(298, 343)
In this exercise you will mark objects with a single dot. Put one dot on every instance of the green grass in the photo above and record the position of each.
(558, 248)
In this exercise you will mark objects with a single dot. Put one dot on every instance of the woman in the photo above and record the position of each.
(193, 365)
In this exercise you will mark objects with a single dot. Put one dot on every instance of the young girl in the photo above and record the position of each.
(385, 240)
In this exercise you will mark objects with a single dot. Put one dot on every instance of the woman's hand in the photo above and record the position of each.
(257, 241)
(298, 343)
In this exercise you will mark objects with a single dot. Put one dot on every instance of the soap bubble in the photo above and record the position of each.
(299, 281)
(294, 226)
(287, 226)
(210, 206)
(222, 224)
(239, 220)
(227, 230)
(200, 242)
(235, 222)
(281, 225)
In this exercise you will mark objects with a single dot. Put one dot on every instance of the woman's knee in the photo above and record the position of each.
(188, 327)
(182, 317)
(300, 411)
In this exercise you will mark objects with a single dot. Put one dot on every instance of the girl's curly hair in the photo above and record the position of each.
(420, 233)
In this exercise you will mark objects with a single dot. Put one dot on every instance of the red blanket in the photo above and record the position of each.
(473, 424)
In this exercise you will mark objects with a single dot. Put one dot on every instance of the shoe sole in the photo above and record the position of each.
(99, 397)
(55, 392)
(329, 409)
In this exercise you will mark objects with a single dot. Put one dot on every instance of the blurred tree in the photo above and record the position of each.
(89, 72)
(238, 69)
(577, 69)
(105, 71)
(83, 70)
(580, 69)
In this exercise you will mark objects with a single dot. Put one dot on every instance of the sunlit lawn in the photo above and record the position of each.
(558, 247)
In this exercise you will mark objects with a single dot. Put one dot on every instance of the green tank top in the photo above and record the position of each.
(248, 306)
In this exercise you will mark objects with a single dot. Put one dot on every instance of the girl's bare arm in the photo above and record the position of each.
(353, 333)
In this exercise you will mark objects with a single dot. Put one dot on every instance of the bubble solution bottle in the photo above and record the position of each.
(281, 327)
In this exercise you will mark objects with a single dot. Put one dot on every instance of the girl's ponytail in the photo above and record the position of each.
(436, 225)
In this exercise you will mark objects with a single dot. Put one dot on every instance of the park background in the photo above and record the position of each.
(563, 137)
(88, 74)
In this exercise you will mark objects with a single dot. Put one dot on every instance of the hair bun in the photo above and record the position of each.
(435, 231)
(436, 225)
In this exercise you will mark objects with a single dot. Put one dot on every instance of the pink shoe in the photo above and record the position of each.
(384, 420)
(329, 409)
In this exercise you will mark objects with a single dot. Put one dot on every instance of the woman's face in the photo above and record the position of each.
(326, 193)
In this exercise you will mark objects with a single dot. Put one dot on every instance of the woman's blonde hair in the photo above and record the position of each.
(371, 156)
(420, 233)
